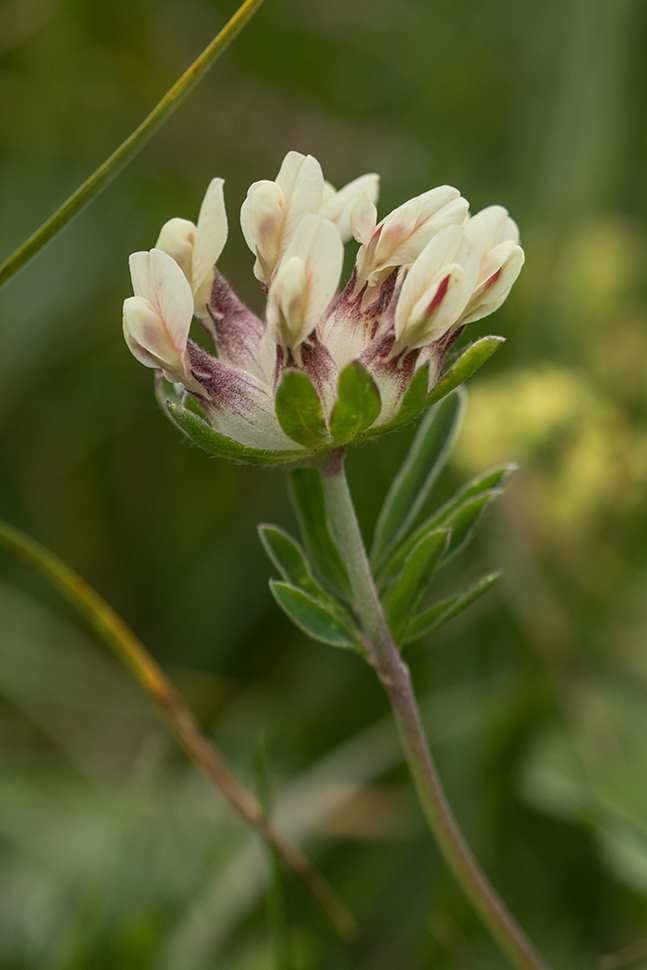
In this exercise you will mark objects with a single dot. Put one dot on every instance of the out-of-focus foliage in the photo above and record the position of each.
(113, 852)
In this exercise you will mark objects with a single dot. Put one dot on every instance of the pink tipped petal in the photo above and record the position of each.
(177, 239)
(437, 288)
(211, 234)
(494, 290)
(338, 207)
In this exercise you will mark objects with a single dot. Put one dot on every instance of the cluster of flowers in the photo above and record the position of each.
(421, 274)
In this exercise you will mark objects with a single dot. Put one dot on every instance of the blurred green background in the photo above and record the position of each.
(114, 853)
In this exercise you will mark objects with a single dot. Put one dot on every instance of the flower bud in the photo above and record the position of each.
(272, 211)
(497, 236)
(437, 288)
(157, 319)
(405, 232)
(338, 205)
(197, 248)
(305, 281)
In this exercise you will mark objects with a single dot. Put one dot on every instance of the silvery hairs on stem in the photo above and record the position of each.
(323, 368)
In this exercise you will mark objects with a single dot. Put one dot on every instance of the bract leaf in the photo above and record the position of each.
(314, 617)
(421, 467)
(358, 403)
(299, 410)
(214, 443)
(413, 403)
(440, 613)
(306, 492)
(412, 583)
(288, 557)
(492, 479)
(466, 365)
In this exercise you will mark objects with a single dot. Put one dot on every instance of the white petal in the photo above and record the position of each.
(285, 302)
(337, 208)
(307, 279)
(301, 179)
(363, 218)
(408, 229)
(148, 338)
(177, 239)
(437, 287)
(261, 218)
(211, 234)
(490, 295)
(173, 297)
(492, 226)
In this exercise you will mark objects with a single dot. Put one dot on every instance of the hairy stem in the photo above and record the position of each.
(120, 638)
(396, 679)
(129, 148)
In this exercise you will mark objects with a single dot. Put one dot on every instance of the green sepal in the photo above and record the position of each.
(288, 557)
(299, 410)
(314, 617)
(423, 464)
(202, 434)
(412, 583)
(466, 365)
(440, 613)
(306, 492)
(357, 406)
(495, 478)
(413, 403)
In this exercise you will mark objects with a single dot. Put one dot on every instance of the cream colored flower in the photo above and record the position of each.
(305, 282)
(157, 319)
(196, 248)
(320, 368)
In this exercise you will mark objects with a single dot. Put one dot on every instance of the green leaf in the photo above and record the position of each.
(306, 492)
(492, 479)
(412, 583)
(314, 617)
(214, 443)
(299, 410)
(466, 520)
(413, 402)
(440, 613)
(466, 365)
(421, 467)
(288, 557)
(358, 403)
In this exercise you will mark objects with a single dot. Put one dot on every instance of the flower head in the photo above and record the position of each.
(321, 368)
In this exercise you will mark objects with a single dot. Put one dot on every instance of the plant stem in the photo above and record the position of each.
(396, 680)
(129, 148)
(120, 638)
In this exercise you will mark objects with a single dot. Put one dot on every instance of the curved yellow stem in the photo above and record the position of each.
(120, 638)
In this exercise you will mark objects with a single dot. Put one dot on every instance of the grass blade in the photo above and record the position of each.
(129, 148)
